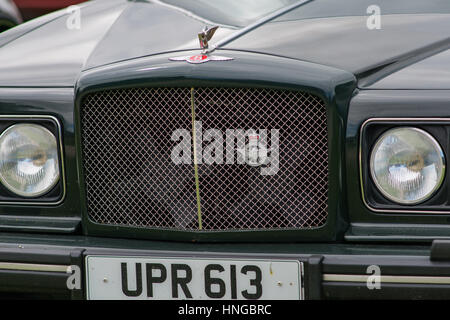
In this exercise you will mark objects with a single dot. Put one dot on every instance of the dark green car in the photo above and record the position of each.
(227, 149)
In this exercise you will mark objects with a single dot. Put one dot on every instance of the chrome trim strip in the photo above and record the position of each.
(387, 279)
(63, 170)
(34, 267)
(361, 171)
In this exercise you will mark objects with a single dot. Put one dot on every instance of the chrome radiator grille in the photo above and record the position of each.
(131, 178)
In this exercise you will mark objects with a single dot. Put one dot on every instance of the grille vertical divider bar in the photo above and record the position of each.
(194, 141)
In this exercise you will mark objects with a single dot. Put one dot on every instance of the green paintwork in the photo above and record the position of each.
(366, 224)
(55, 243)
(334, 86)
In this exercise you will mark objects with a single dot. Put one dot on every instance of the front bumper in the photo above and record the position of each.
(37, 266)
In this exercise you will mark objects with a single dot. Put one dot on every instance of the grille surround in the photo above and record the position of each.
(185, 223)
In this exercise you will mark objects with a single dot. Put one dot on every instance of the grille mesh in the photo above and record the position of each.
(131, 179)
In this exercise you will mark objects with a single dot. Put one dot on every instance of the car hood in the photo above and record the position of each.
(53, 51)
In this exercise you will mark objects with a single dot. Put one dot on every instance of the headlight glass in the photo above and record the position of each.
(407, 165)
(29, 164)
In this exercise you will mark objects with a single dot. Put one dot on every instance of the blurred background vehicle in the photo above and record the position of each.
(9, 15)
(31, 9)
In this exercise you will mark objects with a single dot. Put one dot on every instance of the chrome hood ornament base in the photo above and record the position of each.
(200, 58)
(204, 37)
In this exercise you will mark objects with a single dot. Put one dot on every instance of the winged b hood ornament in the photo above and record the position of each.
(206, 55)
(205, 36)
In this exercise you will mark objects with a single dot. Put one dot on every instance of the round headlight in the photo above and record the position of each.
(407, 165)
(29, 164)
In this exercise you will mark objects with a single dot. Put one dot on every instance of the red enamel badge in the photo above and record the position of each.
(201, 58)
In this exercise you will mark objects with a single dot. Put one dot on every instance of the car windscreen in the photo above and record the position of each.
(341, 8)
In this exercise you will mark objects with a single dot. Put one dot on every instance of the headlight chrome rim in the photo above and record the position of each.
(44, 191)
(437, 148)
